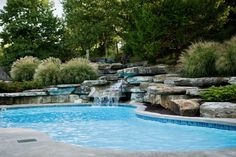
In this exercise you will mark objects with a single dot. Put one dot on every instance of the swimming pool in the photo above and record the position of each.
(115, 127)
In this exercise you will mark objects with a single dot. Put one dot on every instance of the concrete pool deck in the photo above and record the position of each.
(44, 146)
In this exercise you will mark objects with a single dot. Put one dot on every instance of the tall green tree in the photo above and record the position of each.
(29, 28)
(165, 27)
(91, 24)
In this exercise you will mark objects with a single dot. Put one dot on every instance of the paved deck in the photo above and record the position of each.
(46, 147)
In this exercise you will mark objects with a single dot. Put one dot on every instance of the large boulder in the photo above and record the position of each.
(137, 94)
(197, 82)
(139, 71)
(137, 97)
(152, 98)
(184, 107)
(162, 94)
(136, 80)
(218, 110)
(166, 100)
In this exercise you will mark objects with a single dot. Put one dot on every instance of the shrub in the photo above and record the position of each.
(199, 60)
(220, 94)
(23, 69)
(18, 86)
(226, 62)
(48, 71)
(76, 71)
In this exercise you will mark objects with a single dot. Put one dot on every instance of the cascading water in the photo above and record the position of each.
(109, 96)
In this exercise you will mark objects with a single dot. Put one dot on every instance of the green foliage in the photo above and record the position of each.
(205, 59)
(226, 63)
(19, 86)
(48, 71)
(23, 69)
(91, 24)
(76, 71)
(160, 28)
(220, 94)
(29, 29)
(199, 60)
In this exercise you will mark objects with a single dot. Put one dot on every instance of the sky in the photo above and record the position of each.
(57, 5)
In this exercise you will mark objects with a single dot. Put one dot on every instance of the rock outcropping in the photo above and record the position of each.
(155, 85)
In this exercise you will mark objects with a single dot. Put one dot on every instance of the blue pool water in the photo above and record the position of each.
(115, 128)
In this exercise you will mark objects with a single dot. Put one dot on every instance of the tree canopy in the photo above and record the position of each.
(165, 27)
(29, 28)
(91, 24)
(149, 30)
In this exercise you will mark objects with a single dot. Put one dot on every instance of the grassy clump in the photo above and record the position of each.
(226, 63)
(220, 94)
(76, 71)
(48, 71)
(199, 60)
(204, 59)
(23, 69)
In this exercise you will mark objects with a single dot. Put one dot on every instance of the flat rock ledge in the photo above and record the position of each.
(110, 77)
(139, 71)
(162, 89)
(136, 80)
(197, 82)
(218, 110)
(22, 94)
(91, 83)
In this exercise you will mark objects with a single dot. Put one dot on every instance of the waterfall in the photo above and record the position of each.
(109, 96)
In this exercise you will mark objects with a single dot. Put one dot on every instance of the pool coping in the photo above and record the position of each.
(140, 110)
